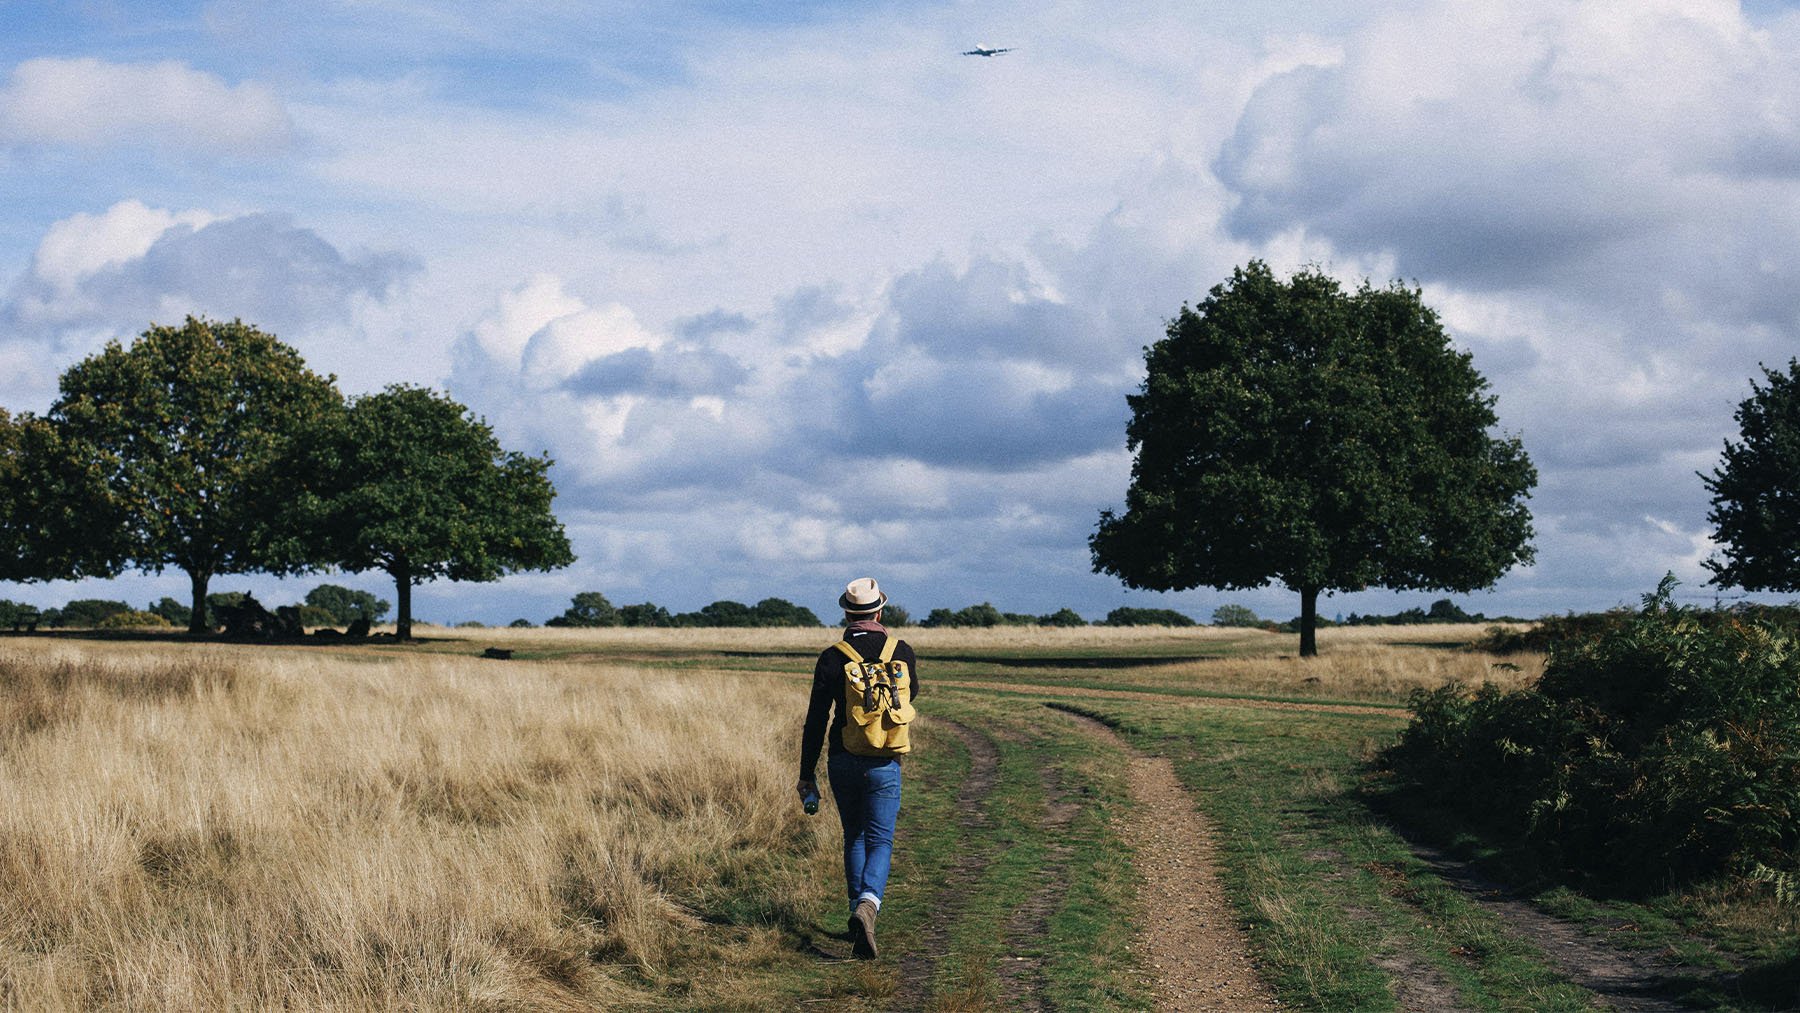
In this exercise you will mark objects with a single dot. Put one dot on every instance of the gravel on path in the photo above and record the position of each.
(1189, 940)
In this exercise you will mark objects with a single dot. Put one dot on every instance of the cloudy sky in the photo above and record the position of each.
(794, 292)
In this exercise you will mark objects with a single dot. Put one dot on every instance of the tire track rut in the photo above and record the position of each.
(1621, 979)
(919, 964)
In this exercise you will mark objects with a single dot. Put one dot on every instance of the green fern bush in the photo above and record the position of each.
(1658, 751)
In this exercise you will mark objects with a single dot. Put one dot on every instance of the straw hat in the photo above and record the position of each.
(862, 597)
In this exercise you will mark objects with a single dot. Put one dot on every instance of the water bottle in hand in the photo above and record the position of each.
(810, 801)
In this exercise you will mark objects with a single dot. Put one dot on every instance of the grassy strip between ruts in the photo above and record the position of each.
(958, 883)
(1333, 897)
(1082, 947)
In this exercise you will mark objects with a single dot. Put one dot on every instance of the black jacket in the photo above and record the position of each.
(828, 693)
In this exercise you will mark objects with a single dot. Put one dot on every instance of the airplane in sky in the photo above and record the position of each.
(984, 51)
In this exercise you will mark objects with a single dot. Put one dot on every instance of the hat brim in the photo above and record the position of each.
(855, 609)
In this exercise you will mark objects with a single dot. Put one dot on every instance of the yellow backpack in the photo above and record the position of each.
(877, 702)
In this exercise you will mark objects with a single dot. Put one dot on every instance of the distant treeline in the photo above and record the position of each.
(590, 608)
(333, 605)
(325, 605)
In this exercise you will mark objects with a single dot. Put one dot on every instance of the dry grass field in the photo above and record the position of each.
(198, 826)
(191, 827)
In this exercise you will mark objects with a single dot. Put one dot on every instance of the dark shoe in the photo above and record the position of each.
(862, 931)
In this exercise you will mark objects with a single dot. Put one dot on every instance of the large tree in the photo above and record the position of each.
(1756, 490)
(1328, 440)
(192, 429)
(56, 518)
(423, 491)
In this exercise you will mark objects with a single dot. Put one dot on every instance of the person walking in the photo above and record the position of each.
(861, 706)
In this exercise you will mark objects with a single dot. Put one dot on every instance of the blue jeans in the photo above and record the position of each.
(867, 791)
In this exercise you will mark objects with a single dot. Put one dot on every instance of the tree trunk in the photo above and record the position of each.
(197, 623)
(1309, 622)
(403, 591)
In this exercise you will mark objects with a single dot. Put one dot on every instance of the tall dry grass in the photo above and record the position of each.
(185, 827)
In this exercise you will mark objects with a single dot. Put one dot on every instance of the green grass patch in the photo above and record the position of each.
(1080, 942)
(1329, 892)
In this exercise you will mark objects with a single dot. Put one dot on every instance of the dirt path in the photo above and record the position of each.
(1622, 979)
(1418, 986)
(919, 963)
(1189, 942)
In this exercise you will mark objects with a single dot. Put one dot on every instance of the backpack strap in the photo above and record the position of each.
(844, 645)
(887, 649)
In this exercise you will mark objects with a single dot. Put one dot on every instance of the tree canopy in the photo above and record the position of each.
(589, 608)
(1329, 440)
(1234, 615)
(343, 605)
(188, 432)
(424, 491)
(1756, 490)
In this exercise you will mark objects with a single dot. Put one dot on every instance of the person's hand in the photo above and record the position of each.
(805, 787)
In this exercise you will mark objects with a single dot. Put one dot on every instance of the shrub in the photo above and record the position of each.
(1234, 615)
(894, 615)
(175, 612)
(132, 619)
(1127, 616)
(1062, 617)
(15, 615)
(726, 613)
(645, 614)
(1660, 749)
(983, 615)
(344, 606)
(1550, 631)
(589, 608)
(90, 611)
(781, 612)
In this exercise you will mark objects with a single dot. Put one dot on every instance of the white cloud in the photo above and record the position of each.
(91, 103)
(522, 312)
(81, 245)
(96, 277)
(560, 348)
(880, 304)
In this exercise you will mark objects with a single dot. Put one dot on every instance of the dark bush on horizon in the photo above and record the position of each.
(1128, 616)
(337, 605)
(1547, 633)
(1659, 748)
(976, 616)
(16, 615)
(590, 609)
(985, 615)
(768, 612)
(645, 614)
(1441, 611)
(89, 612)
